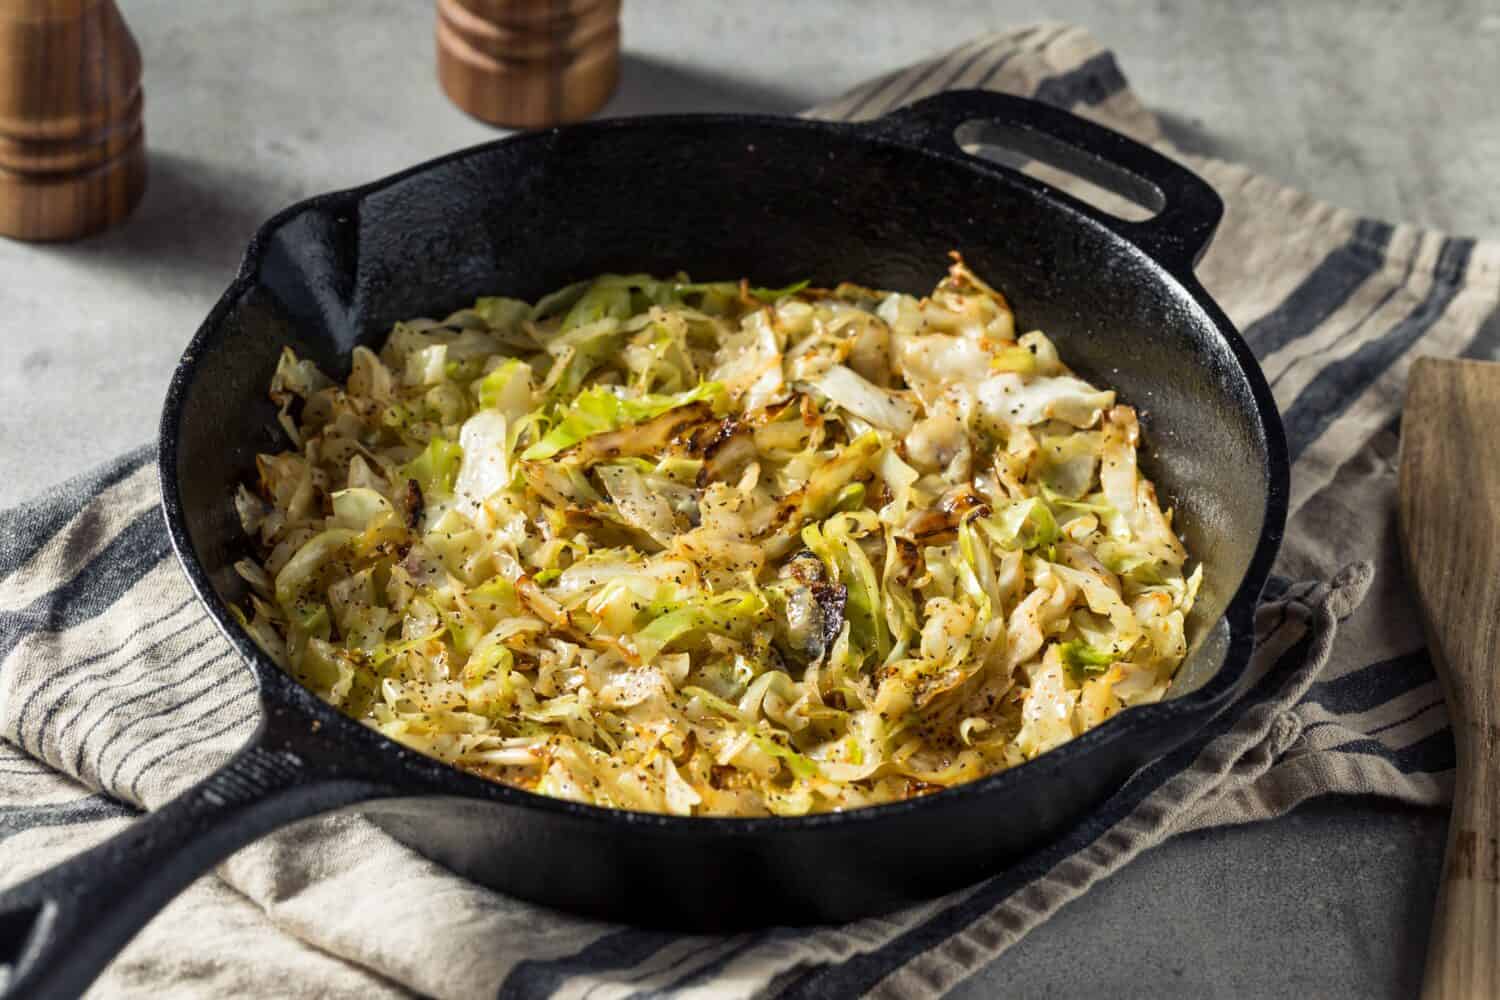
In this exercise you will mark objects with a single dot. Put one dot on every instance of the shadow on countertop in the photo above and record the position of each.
(189, 231)
(653, 86)
(1193, 135)
(191, 228)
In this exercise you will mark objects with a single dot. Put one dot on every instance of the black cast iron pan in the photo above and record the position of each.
(776, 199)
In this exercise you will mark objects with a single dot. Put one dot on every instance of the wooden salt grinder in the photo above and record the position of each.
(528, 63)
(72, 152)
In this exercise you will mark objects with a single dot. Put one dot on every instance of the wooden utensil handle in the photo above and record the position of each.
(1463, 958)
(1450, 525)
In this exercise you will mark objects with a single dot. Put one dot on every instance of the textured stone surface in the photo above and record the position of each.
(1384, 108)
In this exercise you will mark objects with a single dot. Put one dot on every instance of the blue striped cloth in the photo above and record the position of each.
(116, 693)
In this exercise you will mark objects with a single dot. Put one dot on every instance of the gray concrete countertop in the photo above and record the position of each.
(1384, 108)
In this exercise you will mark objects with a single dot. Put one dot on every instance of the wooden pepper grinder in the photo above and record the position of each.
(528, 63)
(72, 149)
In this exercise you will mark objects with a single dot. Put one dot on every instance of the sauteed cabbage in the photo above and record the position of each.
(710, 549)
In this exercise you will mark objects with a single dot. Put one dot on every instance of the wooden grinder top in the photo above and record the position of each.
(72, 155)
(528, 63)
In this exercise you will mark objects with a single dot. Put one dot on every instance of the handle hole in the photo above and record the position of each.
(1104, 185)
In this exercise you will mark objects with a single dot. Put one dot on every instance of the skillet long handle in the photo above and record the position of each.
(59, 929)
(1187, 208)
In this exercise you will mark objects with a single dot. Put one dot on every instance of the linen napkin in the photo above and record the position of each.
(116, 692)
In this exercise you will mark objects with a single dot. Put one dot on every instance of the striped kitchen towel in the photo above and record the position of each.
(116, 693)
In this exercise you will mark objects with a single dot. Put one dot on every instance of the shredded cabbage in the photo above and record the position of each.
(715, 549)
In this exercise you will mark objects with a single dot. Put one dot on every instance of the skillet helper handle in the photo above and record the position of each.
(60, 928)
(1188, 210)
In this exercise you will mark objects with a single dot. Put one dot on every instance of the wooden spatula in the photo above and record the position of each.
(1450, 527)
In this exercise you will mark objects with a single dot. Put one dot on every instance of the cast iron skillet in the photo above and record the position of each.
(777, 199)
